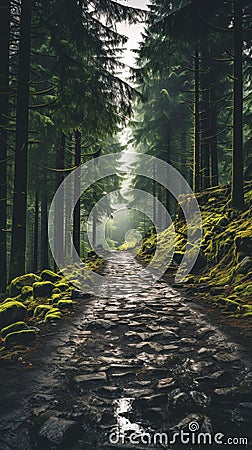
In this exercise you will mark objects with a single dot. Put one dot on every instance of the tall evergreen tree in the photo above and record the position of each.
(4, 91)
(18, 237)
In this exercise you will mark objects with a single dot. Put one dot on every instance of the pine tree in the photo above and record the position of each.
(18, 240)
(4, 91)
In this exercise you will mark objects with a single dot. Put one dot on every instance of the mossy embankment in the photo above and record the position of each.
(223, 271)
(36, 300)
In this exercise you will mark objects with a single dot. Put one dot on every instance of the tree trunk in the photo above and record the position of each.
(167, 193)
(4, 93)
(44, 225)
(94, 224)
(237, 169)
(213, 141)
(205, 119)
(183, 169)
(59, 219)
(159, 208)
(196, 163)
(76, 219)
(36, 231)
(18, 241)
(154, 194)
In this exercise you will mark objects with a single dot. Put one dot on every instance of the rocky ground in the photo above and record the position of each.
(145, 363)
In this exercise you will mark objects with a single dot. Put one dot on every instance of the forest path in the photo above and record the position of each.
(146, 362)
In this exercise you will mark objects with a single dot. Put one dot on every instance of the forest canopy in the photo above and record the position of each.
(63, 100)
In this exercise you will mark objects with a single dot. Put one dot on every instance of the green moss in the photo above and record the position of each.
(9, 299)
(26, 292)
(240, 288)
(248, 290)
(23, 338)
(57, 296)
(17, 326)
(65, 305)
(226, 246)
(56, 291)
(248, 314)
(178, 256)
(49, 275)
(62, 286)
(16, 285)
(247, 308)
(11, 312)
(243, 241)
(53, 315)
(230, 304)
(244, 266)
(43, 289)
(41, 310)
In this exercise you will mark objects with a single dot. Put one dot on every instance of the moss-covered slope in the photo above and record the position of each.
(224, 268)
(34, 299)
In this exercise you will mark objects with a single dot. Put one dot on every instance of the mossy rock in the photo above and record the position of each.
(26, 292)
(42, 310)
(57, 297)
(62, 286)
(43, 289)
(8, 300)
(248, 314)
(244, 266)
(17, 326)
(23, 338)
(65, 304)
(53, 315)
(248, 290)
(223, 221)
(11, 312)
(216, 290)
(243, 242)
(178, 256)
(247, 308)
(49, 275)
(16, 285)
(231, 305)
(239, 288)
(56, 291)
(201, 262)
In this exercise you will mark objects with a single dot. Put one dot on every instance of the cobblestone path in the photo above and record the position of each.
(121, 371)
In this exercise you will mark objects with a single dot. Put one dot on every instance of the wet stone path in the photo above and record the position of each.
(137, 372)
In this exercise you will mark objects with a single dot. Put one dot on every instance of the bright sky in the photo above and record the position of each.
(133, 32)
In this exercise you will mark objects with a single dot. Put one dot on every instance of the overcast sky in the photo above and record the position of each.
(133, 32)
